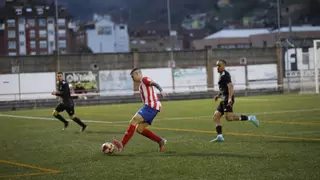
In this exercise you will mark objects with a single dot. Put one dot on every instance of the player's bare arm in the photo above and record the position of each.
(57, 93)
(216, 97)
(231, 93)
(156, 85)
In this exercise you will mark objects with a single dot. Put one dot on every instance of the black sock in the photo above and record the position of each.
(219, 129)
(61, 118)
(78, 121)
(243, 118)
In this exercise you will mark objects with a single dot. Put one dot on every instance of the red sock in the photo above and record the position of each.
(149, 134)
(128, 134)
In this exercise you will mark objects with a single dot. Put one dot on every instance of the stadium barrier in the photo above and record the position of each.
(102, 99)
(33, 90)
(26, 86)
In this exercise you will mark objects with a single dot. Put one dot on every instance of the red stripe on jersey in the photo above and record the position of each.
(142, 94)
(154, 98)
(149, 95)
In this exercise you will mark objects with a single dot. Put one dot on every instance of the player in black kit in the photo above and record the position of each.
(227, 101)
(66, 103)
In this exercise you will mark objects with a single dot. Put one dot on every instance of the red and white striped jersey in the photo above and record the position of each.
(148, 94)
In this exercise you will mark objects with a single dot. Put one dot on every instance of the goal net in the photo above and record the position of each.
(309, 78)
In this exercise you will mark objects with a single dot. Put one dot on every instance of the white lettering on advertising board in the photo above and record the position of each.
(262, 76)
(115, 82)
(191, 79)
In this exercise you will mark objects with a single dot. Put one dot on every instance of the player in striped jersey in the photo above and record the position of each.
(146, 114)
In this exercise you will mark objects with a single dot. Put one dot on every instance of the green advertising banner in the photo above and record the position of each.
(86, 79)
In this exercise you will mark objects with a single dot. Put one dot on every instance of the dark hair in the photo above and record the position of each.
(59, 72)
(133, 70)
(223, 61)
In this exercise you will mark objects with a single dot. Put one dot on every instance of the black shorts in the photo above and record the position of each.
(224, 107)
(69, 108)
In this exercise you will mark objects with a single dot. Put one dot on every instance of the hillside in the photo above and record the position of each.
(141, 11)
(136, 12)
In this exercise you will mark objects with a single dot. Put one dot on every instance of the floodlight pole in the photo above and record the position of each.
(316, 70)
(57, 34)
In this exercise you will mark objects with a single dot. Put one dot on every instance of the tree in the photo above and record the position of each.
(85, 50)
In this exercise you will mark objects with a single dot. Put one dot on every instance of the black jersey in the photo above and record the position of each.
(224, 80)
(64, 93)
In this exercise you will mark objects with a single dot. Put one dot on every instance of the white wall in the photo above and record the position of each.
(163, 76)
(51, 37)
(9, 87)
(27, 86)
(22, 38)
(288, 60)
(117, 41)
(121, 38)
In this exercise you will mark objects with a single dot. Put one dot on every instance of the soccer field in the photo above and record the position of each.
(286, 146)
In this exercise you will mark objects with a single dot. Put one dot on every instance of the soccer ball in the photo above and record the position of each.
(107, 148)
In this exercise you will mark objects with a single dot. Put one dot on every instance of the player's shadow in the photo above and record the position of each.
(205, 154)
(100, 132)
(190, 154)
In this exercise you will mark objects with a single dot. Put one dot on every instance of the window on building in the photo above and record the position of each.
(51, 43)
(305, 56)
(12, 53)
(11, 34)
(63, 51)
(264, 43)
(50, 21)
(62, 33)
(21, 33)
(42, 22)
(32, 33)
(50, 32)
(104, 30)
(242, 46)
(62, 43)
(18, 11)
(61, 22)
(39, 11)
(229, 46)
(33, 44)
(21, 21)
(31, 22)
(33, 53)
(11, 23)
(232, 46)
(43, 33)
(43, 44)
(21, 43)
(29, 9)
(12, 45)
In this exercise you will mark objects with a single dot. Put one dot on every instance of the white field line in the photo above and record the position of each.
(161, 119)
